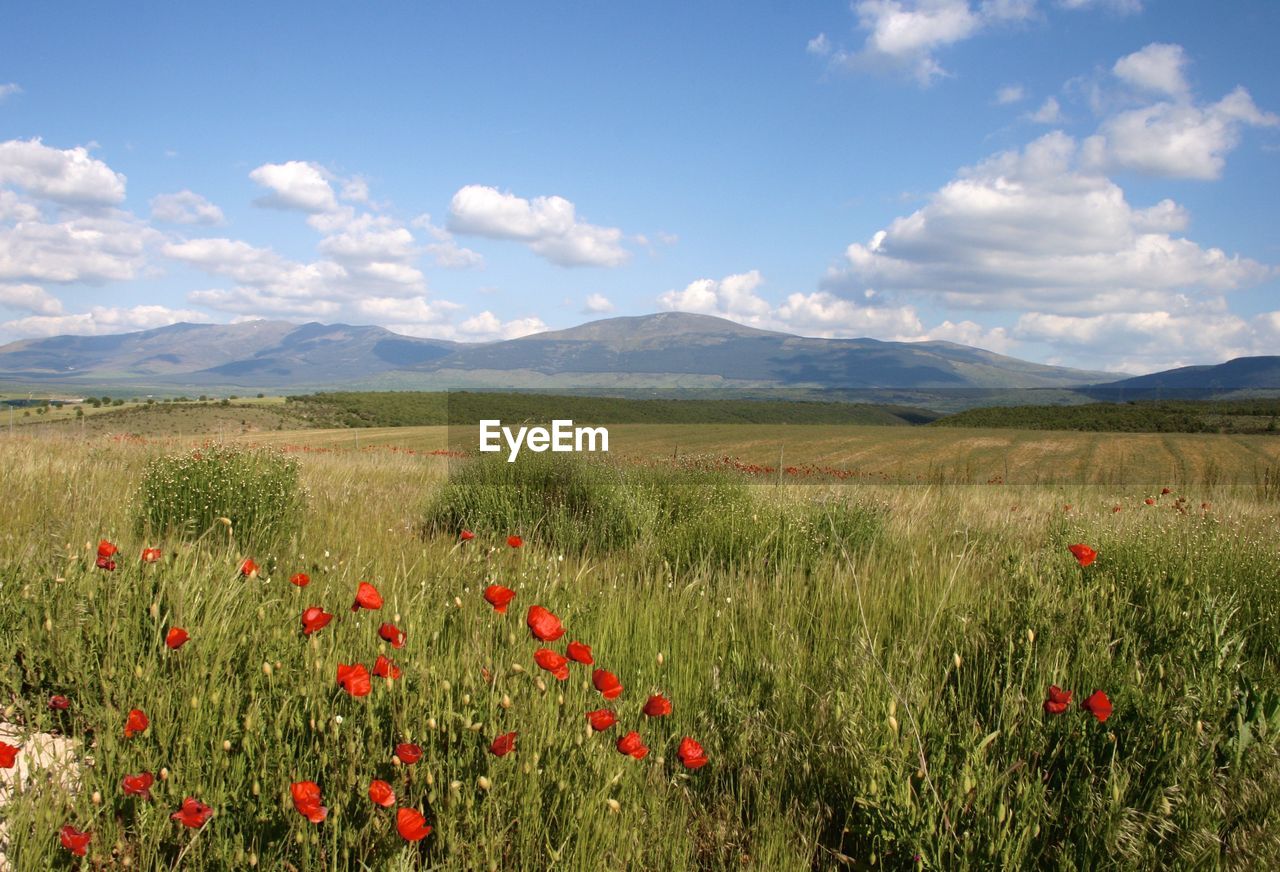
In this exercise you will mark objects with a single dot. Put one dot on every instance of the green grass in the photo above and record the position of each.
(861, 707)
(1148, 416)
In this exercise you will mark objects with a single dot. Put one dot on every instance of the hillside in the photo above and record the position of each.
(1241, 375)
(1181, 416)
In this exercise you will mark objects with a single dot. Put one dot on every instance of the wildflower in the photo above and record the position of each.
(385, 668)
(367, 597)
(314, 618)
(503, 745)
(354, 679)
(151, 555)
(466, 535)
(8, 755)
(408, 753)
(1097, 705)
(1058, 702)
(411, 825)
(136, 722)
(392, 634)
(138, 785)
(633, 746)
(176, 638)
(545, 626)
(248, 568)
(514, 541)
(1083, 553)
(499, 597)
(1164, 491)
(1115, 509)
(1150, 501)
(607, 683)
(59, 703)
(691, 754)
(106, 549)
(657, 706)
(602, 719)
(193, 813)
(105, 563)
(300, 579)
(580, 653)
(552, 662)
(74, 841)
(306, 799)
(381, 793)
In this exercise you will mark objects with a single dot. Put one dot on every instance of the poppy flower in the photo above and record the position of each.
(411, 825)
(633, 746)
(300, 579)
(552, 662)
(249, 569)
(150, 555)
(136, 722)
(466, 535)
(59, 703)
(691, 754)
(1115, 509)
(193, 813)
(354, 679)
(607, 683)
(408, 753)
(381, 793)
(392, 634)
(306, 799)
(657, 706)
(602, 719)
(106, 549)
(1150, 501)
(1083, 553)
(499, 597)
(367, 597)
(74, 841)
(1058, 702)
(580, 653)
(1098, 705)
(105, 563)
(503, 745)
(515, 541)
(314, 618)
(1164, 491)
(385, 668)
(545, 626)
(138, 785)
(176, 638)
(8, 755)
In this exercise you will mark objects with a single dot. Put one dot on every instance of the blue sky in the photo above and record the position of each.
(1086, 182)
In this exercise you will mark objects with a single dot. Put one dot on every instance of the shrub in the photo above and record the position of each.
(256, 489)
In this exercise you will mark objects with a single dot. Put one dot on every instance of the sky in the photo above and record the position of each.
(1089, 183)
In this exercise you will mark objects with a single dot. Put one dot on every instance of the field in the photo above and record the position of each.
(867, 668)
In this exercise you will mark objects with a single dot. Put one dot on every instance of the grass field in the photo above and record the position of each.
(878, 705)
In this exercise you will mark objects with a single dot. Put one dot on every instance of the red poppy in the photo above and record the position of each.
(466, 535)
(602, 719)
(193, 813)
(381, 793)
(515, 541)
(8, 755)
(300, 579)
(392, 634)
(499, 597)
(691, 753)
(354, 679)
(249, 569)
(633, 746)
(411, 825)
(607, 683)
(1150, 501)
(503, 745)
(150, 555)
(138, 785)
(306, 799)
(385, 668)
(314, 618)
(136, 722)
(1115, 509)
(1165, 490)
(59, 703)
(1058, 702)
(1083, 553)
(367, 597)
(545, 626)
(74, 841)
(580, 653)
(105, 563)
(552, 662)
(408, 753)
(176, 638)
(657, 706)
(1097, 705)
(106, 549)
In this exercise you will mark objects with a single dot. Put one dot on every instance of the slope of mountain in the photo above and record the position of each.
(1243, 374)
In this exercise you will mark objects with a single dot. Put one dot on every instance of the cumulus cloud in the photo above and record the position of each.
(8, 89)
(548, 225)
(488, 327)
(597, 304)
(69, 176)
(1156, 67)
(732, 296)
(29, 298)
(1007, 94)
(184, 207)
(295, 185)
(445, 250)
(1050, 112)
(100, 320)
(91, 248)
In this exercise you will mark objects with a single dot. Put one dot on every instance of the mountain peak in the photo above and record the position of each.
(661, 325)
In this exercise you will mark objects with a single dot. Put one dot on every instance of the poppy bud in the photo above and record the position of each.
(466, 699)
(137, 670)
(97, 797)
(956, 659)
(457, 601)
(154, 611)
(660, 658)
(614, 805)
(893, 724)
(431, 723)
(541, 685)
(1031, 636)
(506, 701)
(266, 669)
(164, 774)
(257, 788)
(483, 783)
(430, 779)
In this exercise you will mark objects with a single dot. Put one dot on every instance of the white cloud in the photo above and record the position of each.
(411, 312)
(1008, 94)
(96, 248)
(100, 320)
(1122, 7)
(184, 207)
(826, 315)
(296, 185)
(819, 45)
(1050, 112)
(732, 296)
(1157, 67)
(549, 225)
(254, 302)
(488, 327)
(597, 304)
(445, 250)
(68, 176)
(355, 190)
(30, 298)
(8, 89)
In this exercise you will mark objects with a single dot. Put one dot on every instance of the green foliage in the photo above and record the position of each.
(1171, 416)
(185, 495)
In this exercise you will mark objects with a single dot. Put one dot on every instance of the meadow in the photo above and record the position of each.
(867, 671)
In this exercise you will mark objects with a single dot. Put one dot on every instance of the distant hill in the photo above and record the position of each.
(1163, 416)
(1243, 374)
